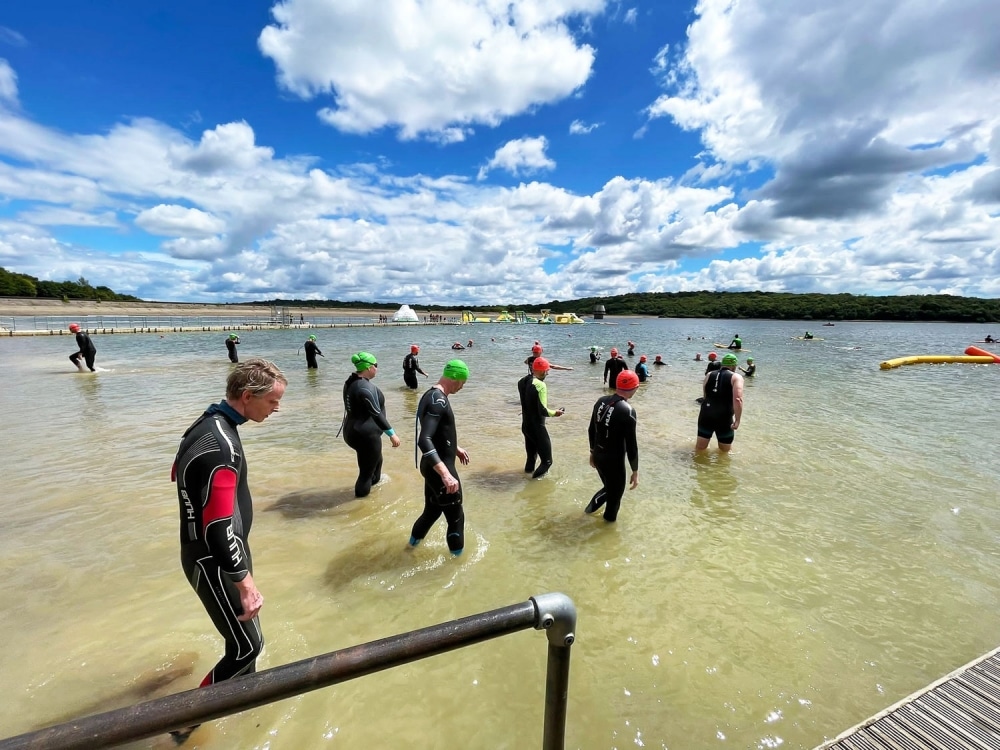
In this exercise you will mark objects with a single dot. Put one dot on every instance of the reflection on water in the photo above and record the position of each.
(841, 557)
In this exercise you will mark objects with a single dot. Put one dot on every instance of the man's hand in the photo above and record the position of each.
(250, 598)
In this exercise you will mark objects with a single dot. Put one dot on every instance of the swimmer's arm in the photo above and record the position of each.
(737, 400)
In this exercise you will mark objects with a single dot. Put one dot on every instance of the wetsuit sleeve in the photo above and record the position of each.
(607, 369)
(430, 420)
(217, 518)
(592, 427)
(416, 366)
(631, 443)
(543, 398)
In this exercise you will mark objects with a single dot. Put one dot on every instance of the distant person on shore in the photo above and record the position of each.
(312, 349)
(411, 366)
(533, 393)
(612, 437)
(642, 369)
(613, 367)
(216, 512)
(231, 343)
(437, 439)
(721, 407)
(750, 369)
(536, 351)
(736, 343)
(365, 421)
(85, 349)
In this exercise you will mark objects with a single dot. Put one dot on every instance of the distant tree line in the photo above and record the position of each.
(23, 285)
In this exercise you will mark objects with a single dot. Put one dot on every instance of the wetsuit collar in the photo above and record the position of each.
(227, 411)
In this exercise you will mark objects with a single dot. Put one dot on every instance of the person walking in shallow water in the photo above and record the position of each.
(612, 437)
(533, 393)
(312, 349)
(85, 348)
(216, 512)
(231, 344)
(411, 366)
(365, 421)
(437, 439)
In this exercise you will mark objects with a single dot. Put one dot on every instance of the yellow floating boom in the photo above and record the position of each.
(935, 359)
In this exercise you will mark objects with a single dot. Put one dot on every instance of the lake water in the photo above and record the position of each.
(844, 555)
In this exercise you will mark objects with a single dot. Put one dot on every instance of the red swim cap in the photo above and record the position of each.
(712, 355)
(627, 380)
(414, 348)
(614, 352)
(642, 358)
(659, 357)
(74, 327)
(536, 349)
(541, 365)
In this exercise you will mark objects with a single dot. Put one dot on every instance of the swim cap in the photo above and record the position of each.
(593, 348)
(456, 369)
(712, 355)
(414, 348)
(614, 352)
(749, 360)
(312, 337)
(627, 381)
(729, 360)
(540, 365)
(642, 358)
(233, 336)
(536, 349)
(74, 327)
(363, 360)
(659, 357)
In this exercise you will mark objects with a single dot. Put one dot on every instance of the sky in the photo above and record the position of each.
(485, 152)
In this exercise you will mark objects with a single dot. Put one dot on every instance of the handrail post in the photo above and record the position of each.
(556, 614)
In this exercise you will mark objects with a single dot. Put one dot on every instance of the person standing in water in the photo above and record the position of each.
(613, 367)
(85, 349)
(612, 436)
(750, 369)
(642, 369)
(536, 352)
(595, 354)
(231, 344)
(533, 394)
(365, 421)
(437, 439)
(411, 366)
(312, 349)
(216, 513)
(721, 406)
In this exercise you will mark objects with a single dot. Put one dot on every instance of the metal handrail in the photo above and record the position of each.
(555, 613)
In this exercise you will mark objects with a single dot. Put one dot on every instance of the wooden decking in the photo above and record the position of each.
(958, 712)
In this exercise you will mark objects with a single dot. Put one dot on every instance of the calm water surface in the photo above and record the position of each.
(842, 557)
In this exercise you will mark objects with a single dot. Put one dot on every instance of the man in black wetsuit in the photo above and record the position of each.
(613, 367)
(312, 349)
(536, 352)
(216, 512)
(231, 343)
(411, 366)
(533, 393)
(721, 406)
(612, 440)
(750, 369)
(437, 439)
(365, 421)
(85, 348)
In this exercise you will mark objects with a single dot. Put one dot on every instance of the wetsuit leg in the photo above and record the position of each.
(410, 378)
(544, 444)
(221, 599)
(611, 470)
(75, 358)
(369, 452)
(311, 363)
(529, 447)
(89, 359)
(451, 508)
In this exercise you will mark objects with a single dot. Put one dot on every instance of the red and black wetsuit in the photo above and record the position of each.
(438, 441)
(216, 513)
(364, 423)
(612, 439)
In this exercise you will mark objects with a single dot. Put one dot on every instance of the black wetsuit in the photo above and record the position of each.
(715, 364)
(438, 441)
(631, 351)
(534, 410)
(593, 358)
(612, 369)
(231, 347)
(716, 415)
(311, 351)
(612, 439)
(411, 366)
(749, 371)
(364, 423)
(86, 349)
(215, 517)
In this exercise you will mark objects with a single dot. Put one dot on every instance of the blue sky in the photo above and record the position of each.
(501, 151)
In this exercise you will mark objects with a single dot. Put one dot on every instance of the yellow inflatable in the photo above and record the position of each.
(935, 359)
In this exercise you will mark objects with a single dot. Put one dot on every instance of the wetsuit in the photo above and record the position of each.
(364, 423)
(438, 441)
(311, 351)
(411, 366)
(749, 371)
(215, 517)
(593, 358)
(642, 371)
(631, 351)
(715, 364)
(86, 349)
(534, 410)
(231, 347)
(612, 369)
(612, 439)
(716, 415)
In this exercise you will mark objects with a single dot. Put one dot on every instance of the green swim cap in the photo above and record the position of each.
(312, 337)
(729, 360)
(233, 336)
(749, 360)
(363, 360)
(456, 369)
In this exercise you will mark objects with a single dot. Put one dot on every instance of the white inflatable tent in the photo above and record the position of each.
(405, 315)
